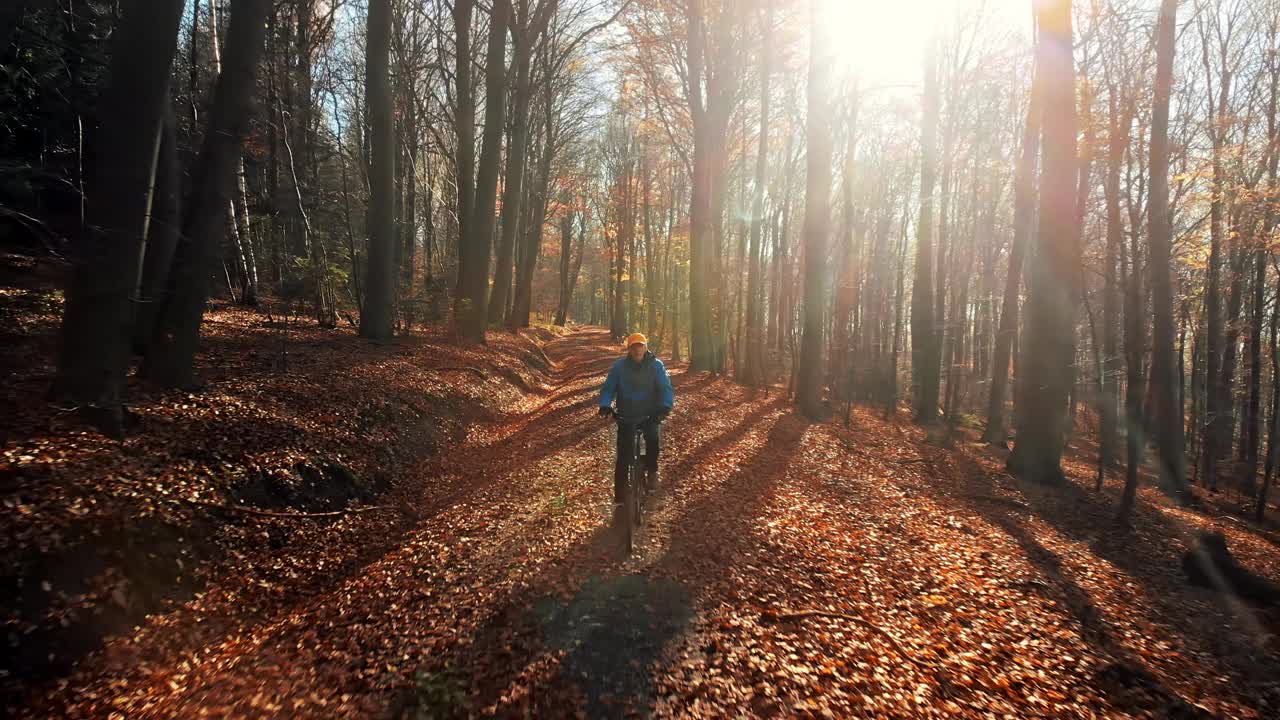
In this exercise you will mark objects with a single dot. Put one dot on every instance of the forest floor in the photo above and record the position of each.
(789, 568)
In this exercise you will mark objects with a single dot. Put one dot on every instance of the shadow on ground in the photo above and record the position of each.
(612, 632)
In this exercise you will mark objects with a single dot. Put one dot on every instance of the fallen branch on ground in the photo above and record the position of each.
(287, 515)
(771, 616)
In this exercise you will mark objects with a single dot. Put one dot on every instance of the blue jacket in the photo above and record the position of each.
(641, 389)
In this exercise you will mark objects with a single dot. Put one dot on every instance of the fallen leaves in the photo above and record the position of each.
(787, 569)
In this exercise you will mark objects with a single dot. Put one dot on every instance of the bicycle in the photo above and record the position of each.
(636, 490)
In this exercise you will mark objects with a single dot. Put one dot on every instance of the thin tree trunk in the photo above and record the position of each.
(925, 373)
(163, 231)
(1023, 220)
(1119, 118)
(1273, 431)
(464, 126)
(753, 358)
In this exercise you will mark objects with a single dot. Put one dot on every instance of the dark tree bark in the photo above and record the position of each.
(1023, 220)
(753, 355)
(526, 28)
(538, 205)
(473, 297)
(464, 126)
(1052, 283)
(163, 229)
(96, 325)
(1273, 431)
(1254, 439)
(899, 301)
(925, 372)
(377, 314)
(1134, 349)
(710, 81)
(817, 217)
(569, 265)
(1164, 367)
(1119, 117)
(1235, 302)
(701, 345)
(172, 356)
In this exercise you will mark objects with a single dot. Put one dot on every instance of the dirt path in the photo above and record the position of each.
(505, 597)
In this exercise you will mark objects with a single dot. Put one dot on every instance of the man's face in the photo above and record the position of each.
(636, 352)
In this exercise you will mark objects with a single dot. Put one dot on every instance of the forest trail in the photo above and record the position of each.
(506, 595)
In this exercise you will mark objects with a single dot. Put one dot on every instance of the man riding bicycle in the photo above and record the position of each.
(639, 383)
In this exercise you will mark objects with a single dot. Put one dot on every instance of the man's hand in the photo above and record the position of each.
(605, 411)
(663, 413)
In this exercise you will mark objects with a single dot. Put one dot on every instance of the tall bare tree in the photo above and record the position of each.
(1052, 291)
(817, 215)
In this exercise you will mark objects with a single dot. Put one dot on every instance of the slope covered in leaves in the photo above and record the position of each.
(290, 418)
(789, 569)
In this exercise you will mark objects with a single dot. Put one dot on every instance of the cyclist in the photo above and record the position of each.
(639, 383)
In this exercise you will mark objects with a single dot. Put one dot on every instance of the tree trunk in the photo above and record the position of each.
(925, 372)
(163, 230)
(377, 314)
(899, 301)
(464, 127)
(1164, 368)
(532, 240)
(96, 325)
(817, 217)
(1235, 302)
(701, 224)
(1052, 291)
(172, 357)
(1134, 348)
(566, 262)
(473, 296)
(1254, 441)
(249, 291)
(753, 355)
(1023, 221)
(1119, 117)
(514, 191)
(1273, 431)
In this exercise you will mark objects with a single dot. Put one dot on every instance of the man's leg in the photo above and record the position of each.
(620, 468)
(652, 444)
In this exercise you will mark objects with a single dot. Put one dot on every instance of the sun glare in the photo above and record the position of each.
(883, 41)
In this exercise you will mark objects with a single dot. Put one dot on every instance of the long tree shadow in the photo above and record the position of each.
(1152, 564)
